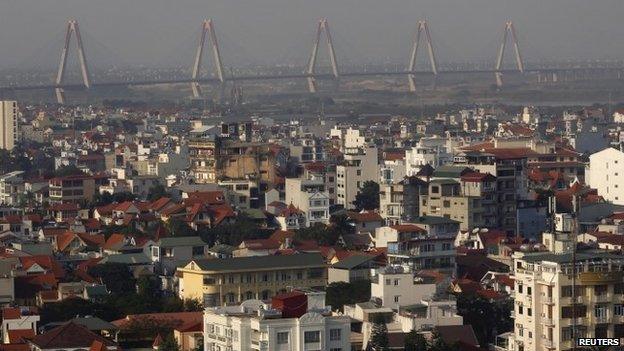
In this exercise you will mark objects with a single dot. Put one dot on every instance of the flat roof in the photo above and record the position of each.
(261, 262)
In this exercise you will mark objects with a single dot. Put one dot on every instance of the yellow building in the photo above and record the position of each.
(233, 280)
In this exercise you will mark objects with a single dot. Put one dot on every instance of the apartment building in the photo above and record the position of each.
(432, 151)
(294, 321)
(604, 172)
(229, 281)
(11, 186)
(75, 188)
(547, 307)
(359, 166)
(412, 246)
(468, 197)
(8, 124)
(202, 158)
(395, 286)
(310, 197)
(401, 201)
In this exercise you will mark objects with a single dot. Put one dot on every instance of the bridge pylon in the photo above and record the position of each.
(323, 26)
(509, 30)
(207, 29)
(423, 29)
(72, 28)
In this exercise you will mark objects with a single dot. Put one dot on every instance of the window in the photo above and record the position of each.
(520, 288)
(397, 281)
(529, 312)
(335, 334)
(618, 310)
(311, 336)
(282, 338)
(529, 290)
(520, 308)
(388, 281)
(396, 298)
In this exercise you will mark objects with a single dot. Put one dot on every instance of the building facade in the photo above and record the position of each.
(8, 124)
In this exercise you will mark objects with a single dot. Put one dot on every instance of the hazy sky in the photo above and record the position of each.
(155, 31)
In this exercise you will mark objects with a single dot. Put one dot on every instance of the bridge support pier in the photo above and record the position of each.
(323, 26)
(423, 27)
(509, 28)
(207, 28)
(72, 27)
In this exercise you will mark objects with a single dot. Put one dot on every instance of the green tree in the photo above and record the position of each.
(342, 293)
(488, 318)
(379, 335)
(70, 170)
(319, 232)
(179, 228)
(156, 192)
(116, 277)
(368, 196)
(414, 341)
(169, 343)
(233, 234)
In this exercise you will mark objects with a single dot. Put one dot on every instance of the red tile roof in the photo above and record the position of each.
(17, 336)
(367, 216)
(69, 335)
(177, 320)
(477, 177)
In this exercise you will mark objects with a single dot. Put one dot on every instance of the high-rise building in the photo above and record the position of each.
(8, 124)
(552, 309)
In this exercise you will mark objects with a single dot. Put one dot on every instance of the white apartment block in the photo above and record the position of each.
(309, 196)
(11, 186)
(395, 286)
(544, 299)
(254, 325)
(433, 151)
(606, 174)
(8, 124)
(360, 165)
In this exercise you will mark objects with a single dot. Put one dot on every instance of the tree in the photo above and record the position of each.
(343, 293)
(116, 277)
(169, 343)
(233, 234)
(379, 335)
(70, 170)
(487, 318)
(414, 341)
(438, 344)
(156, 192)
(368, 196)
(319, 232)
(179, 228)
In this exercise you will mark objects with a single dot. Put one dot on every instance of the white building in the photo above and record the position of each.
(360, 165)
(11, 186)
(433, 151)
(8, 124)
(309, 196)
(395, 286)
(606, 174)
(254, 325)
(544, 300)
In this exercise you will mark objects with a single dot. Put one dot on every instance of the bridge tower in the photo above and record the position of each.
(509, 29)
(423, 28)
(323, 26)
(72, 27)
(207, 29)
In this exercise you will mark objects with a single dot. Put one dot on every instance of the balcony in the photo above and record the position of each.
(548, 322)
(602, 319)
(420, 254)
(548, 300)
(547, 342)
(603, 298)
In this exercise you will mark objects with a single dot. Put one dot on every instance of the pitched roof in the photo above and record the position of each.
(17, 336)
(452, 334)
(352, 262)
(181, 241)
(365, 216)
(178, 320)
(68, 335)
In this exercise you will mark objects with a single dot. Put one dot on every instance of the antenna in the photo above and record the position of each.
(509, 28)
(323, 26)
(423, 27)
(72, 27)
(207, 28)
